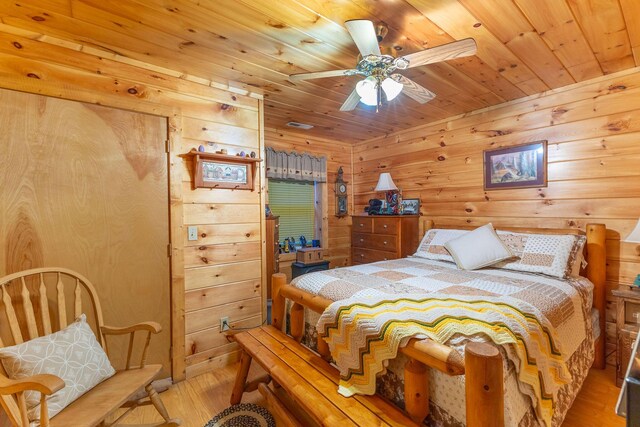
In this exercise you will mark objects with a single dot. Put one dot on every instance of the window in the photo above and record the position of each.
(294, 202)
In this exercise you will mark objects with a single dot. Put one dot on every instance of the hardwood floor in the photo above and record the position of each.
(198, 399)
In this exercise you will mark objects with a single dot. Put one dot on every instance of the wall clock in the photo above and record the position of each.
(341, 195)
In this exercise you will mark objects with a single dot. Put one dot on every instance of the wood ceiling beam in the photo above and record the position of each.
(511, 27)
(603, 25)
(555, 23)
(284, 88)
(631, 12)
(457, 21)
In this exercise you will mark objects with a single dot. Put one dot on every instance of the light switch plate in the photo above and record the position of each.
(193, 232)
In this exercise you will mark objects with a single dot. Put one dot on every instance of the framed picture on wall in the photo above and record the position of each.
(520, 166)
(212, 170)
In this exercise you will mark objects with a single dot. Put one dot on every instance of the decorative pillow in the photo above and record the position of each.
(550, 254)
(478, 248)
(72, 354)
(432, 244)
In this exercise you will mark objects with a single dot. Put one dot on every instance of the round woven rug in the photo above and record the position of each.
(243, 415)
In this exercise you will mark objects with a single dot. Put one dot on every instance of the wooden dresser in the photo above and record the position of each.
(379, 238)
(273, 249)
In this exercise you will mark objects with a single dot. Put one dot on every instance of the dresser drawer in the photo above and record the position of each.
(362, 224)
(363, 256)
(381, 242)
(385, 225)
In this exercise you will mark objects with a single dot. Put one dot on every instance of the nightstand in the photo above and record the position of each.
(627, 326)
(299, 268)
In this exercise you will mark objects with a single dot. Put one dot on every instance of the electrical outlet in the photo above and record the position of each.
(193, 233)
(224, 324)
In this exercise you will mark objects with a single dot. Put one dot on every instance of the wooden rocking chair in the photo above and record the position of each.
(28, 310)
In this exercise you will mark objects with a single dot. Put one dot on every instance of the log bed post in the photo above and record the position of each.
(297, 321)
(484, 385)
(416, 390)
(323, 349)
(278, 280)
(597, 274)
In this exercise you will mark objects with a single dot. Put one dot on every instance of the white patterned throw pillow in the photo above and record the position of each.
(72, 354)
(550, 254)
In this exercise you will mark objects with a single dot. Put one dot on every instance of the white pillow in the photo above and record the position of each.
(72, 354)
(478, 248)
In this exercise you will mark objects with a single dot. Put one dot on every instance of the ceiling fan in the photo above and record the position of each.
(380, 70)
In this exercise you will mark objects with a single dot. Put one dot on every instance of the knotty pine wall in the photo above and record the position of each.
(222, 274)
(593, 130)
(337, 244)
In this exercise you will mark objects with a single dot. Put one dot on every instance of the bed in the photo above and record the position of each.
(572, 306)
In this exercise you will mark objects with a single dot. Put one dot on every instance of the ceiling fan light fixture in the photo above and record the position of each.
(367, 90)
(391, 88)
(401, 63)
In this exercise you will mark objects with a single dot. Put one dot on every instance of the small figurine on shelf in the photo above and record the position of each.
(287, 246)
(201, 148)
(303, 241)
(292, 244)
(253, 154)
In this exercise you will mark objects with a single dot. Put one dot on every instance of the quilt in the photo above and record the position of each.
(561, 307)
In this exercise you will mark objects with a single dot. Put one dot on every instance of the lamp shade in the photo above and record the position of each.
(368, 91)
(391, 88)
(633, 237)
(385, 183)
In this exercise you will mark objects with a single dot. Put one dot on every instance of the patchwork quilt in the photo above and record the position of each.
(562, 340)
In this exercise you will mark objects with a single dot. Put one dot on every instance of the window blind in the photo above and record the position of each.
(294, 202)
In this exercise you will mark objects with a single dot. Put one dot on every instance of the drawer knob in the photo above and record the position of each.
(384, 243)
(385, 259)
(384, 226)
(277, 225)
(361, 255)
(361, 225)
(361, 240)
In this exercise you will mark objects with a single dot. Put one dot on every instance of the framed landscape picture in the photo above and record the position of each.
(520, 166)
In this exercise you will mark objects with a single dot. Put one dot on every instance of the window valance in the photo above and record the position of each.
(295, 167)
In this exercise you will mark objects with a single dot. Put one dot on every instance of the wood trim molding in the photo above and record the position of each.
(177, 250)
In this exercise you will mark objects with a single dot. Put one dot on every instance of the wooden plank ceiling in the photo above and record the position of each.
(524, 47)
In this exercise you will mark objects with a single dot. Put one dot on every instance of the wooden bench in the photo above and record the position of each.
(309, 381)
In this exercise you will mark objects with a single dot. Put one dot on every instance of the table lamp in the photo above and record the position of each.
(634, 237)
(385, 183)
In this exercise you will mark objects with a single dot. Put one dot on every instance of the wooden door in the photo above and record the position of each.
(86, 187)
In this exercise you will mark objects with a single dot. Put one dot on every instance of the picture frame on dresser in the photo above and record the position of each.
(410, 206)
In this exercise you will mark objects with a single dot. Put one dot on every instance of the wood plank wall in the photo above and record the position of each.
(338, 153)
(199, 110)
(593, 130)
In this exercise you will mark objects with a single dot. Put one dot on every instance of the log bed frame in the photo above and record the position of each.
(482, 363)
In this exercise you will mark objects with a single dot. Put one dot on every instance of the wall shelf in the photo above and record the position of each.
(213, 170)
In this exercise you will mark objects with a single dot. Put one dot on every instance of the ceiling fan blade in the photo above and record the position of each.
(413, 90)
(320, 75)
(459, 49)
(364, 35)
(351, 102)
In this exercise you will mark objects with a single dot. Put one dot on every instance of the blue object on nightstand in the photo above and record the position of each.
(637, 281)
